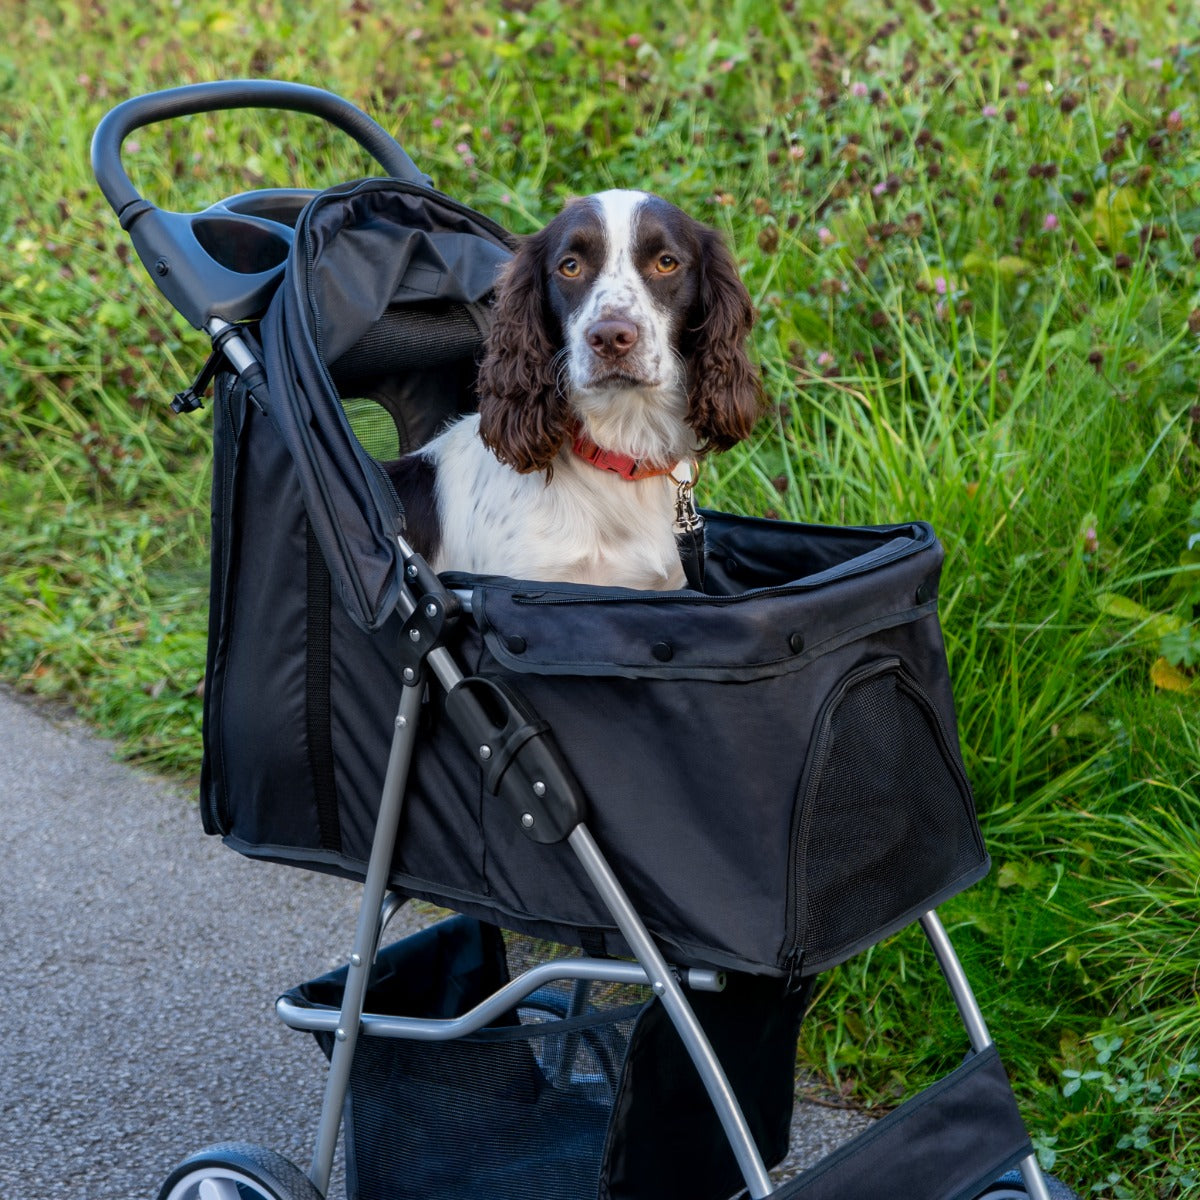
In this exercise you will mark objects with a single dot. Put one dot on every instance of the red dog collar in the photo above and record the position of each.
(609, 460)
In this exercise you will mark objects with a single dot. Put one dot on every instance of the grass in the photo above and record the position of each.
(972, 238)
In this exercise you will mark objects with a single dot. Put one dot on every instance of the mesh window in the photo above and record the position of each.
(412, 371)
(519, 1112)
(889, 817)
(374, 427)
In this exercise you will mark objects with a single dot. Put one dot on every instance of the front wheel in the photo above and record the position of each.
(1010, 1187)
(238, 1171)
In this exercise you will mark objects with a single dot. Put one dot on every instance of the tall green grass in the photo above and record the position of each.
(972, 239)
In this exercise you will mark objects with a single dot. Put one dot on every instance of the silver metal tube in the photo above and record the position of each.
(422, 1029)
(956, 978)
(977, 1030)
(234, 348)
(366, 936)
(1035, 1181)
(667, 988)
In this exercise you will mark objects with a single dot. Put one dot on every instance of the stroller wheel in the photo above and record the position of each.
(237, 1171)
(1010, 1187)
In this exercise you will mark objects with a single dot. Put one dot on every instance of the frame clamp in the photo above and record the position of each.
(519, 757)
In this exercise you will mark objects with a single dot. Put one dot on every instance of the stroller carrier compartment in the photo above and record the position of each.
(772, 766)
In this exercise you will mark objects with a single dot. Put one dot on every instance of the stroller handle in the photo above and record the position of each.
(226, 261)
(197, 98)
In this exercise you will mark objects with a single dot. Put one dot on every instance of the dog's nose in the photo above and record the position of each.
(612, 338)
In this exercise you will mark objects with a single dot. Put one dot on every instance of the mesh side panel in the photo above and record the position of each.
(407, 338)
(411, 372)
(374, 427)
(521, 1112)
(890, 820)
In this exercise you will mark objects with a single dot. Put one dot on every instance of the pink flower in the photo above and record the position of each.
(1175, 120)
(1091, 542)
(1022, 87)
(940, 286)
(1050, 223)
(825, 236)
(825, 359)
(990, 110)
(859, 90)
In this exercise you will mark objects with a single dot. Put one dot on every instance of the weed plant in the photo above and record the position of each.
(972, 237)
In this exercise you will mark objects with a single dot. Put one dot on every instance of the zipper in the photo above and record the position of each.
(794, 959)
(917, 694)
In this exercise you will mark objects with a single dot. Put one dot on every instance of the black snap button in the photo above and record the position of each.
(796, 641)
(662, 651)
(515, 643)
(924, 594)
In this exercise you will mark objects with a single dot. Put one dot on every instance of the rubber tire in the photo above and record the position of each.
(260, 1174)
(1010, 1187)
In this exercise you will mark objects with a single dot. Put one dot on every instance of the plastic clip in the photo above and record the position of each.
(189, 400)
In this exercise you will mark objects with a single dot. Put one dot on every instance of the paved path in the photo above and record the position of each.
(139, 962)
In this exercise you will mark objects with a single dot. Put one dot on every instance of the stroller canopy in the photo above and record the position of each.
(384, 278)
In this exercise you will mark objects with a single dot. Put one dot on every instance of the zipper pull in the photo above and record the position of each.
(795, 963)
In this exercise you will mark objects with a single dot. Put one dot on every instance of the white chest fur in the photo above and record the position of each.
(587, 526)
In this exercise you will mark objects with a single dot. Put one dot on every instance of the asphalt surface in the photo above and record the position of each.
(139, 965)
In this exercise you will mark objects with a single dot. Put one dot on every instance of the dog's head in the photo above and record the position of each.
(628, 317)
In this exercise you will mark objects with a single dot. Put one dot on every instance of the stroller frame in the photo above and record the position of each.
(548, 804)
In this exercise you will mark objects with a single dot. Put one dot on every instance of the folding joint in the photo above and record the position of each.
(424, 631)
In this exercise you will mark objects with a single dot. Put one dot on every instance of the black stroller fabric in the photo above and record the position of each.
(379, 281)
(606, 1095)
(771, 767)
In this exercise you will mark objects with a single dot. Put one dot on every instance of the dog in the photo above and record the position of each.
(615, 360)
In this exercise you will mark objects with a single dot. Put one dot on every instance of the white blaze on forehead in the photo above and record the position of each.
(640, 411)
(618, 289)
(618, 210)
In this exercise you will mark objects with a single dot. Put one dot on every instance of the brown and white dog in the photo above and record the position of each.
(616, 358)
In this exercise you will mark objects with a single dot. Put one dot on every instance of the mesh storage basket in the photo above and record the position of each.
(547, 1106)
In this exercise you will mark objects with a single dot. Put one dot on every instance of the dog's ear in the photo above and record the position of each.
(724, 389)
(523, 416)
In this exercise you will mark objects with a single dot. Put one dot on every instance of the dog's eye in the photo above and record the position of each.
(570, 267)
(666, 263)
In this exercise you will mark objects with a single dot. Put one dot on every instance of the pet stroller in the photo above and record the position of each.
(704, 798)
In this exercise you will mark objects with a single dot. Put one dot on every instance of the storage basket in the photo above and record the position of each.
(546, 1106)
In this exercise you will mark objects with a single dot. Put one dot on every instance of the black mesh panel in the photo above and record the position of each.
(516, 1113)
(889, 819)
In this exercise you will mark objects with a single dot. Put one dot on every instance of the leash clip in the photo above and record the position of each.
(687, 518)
